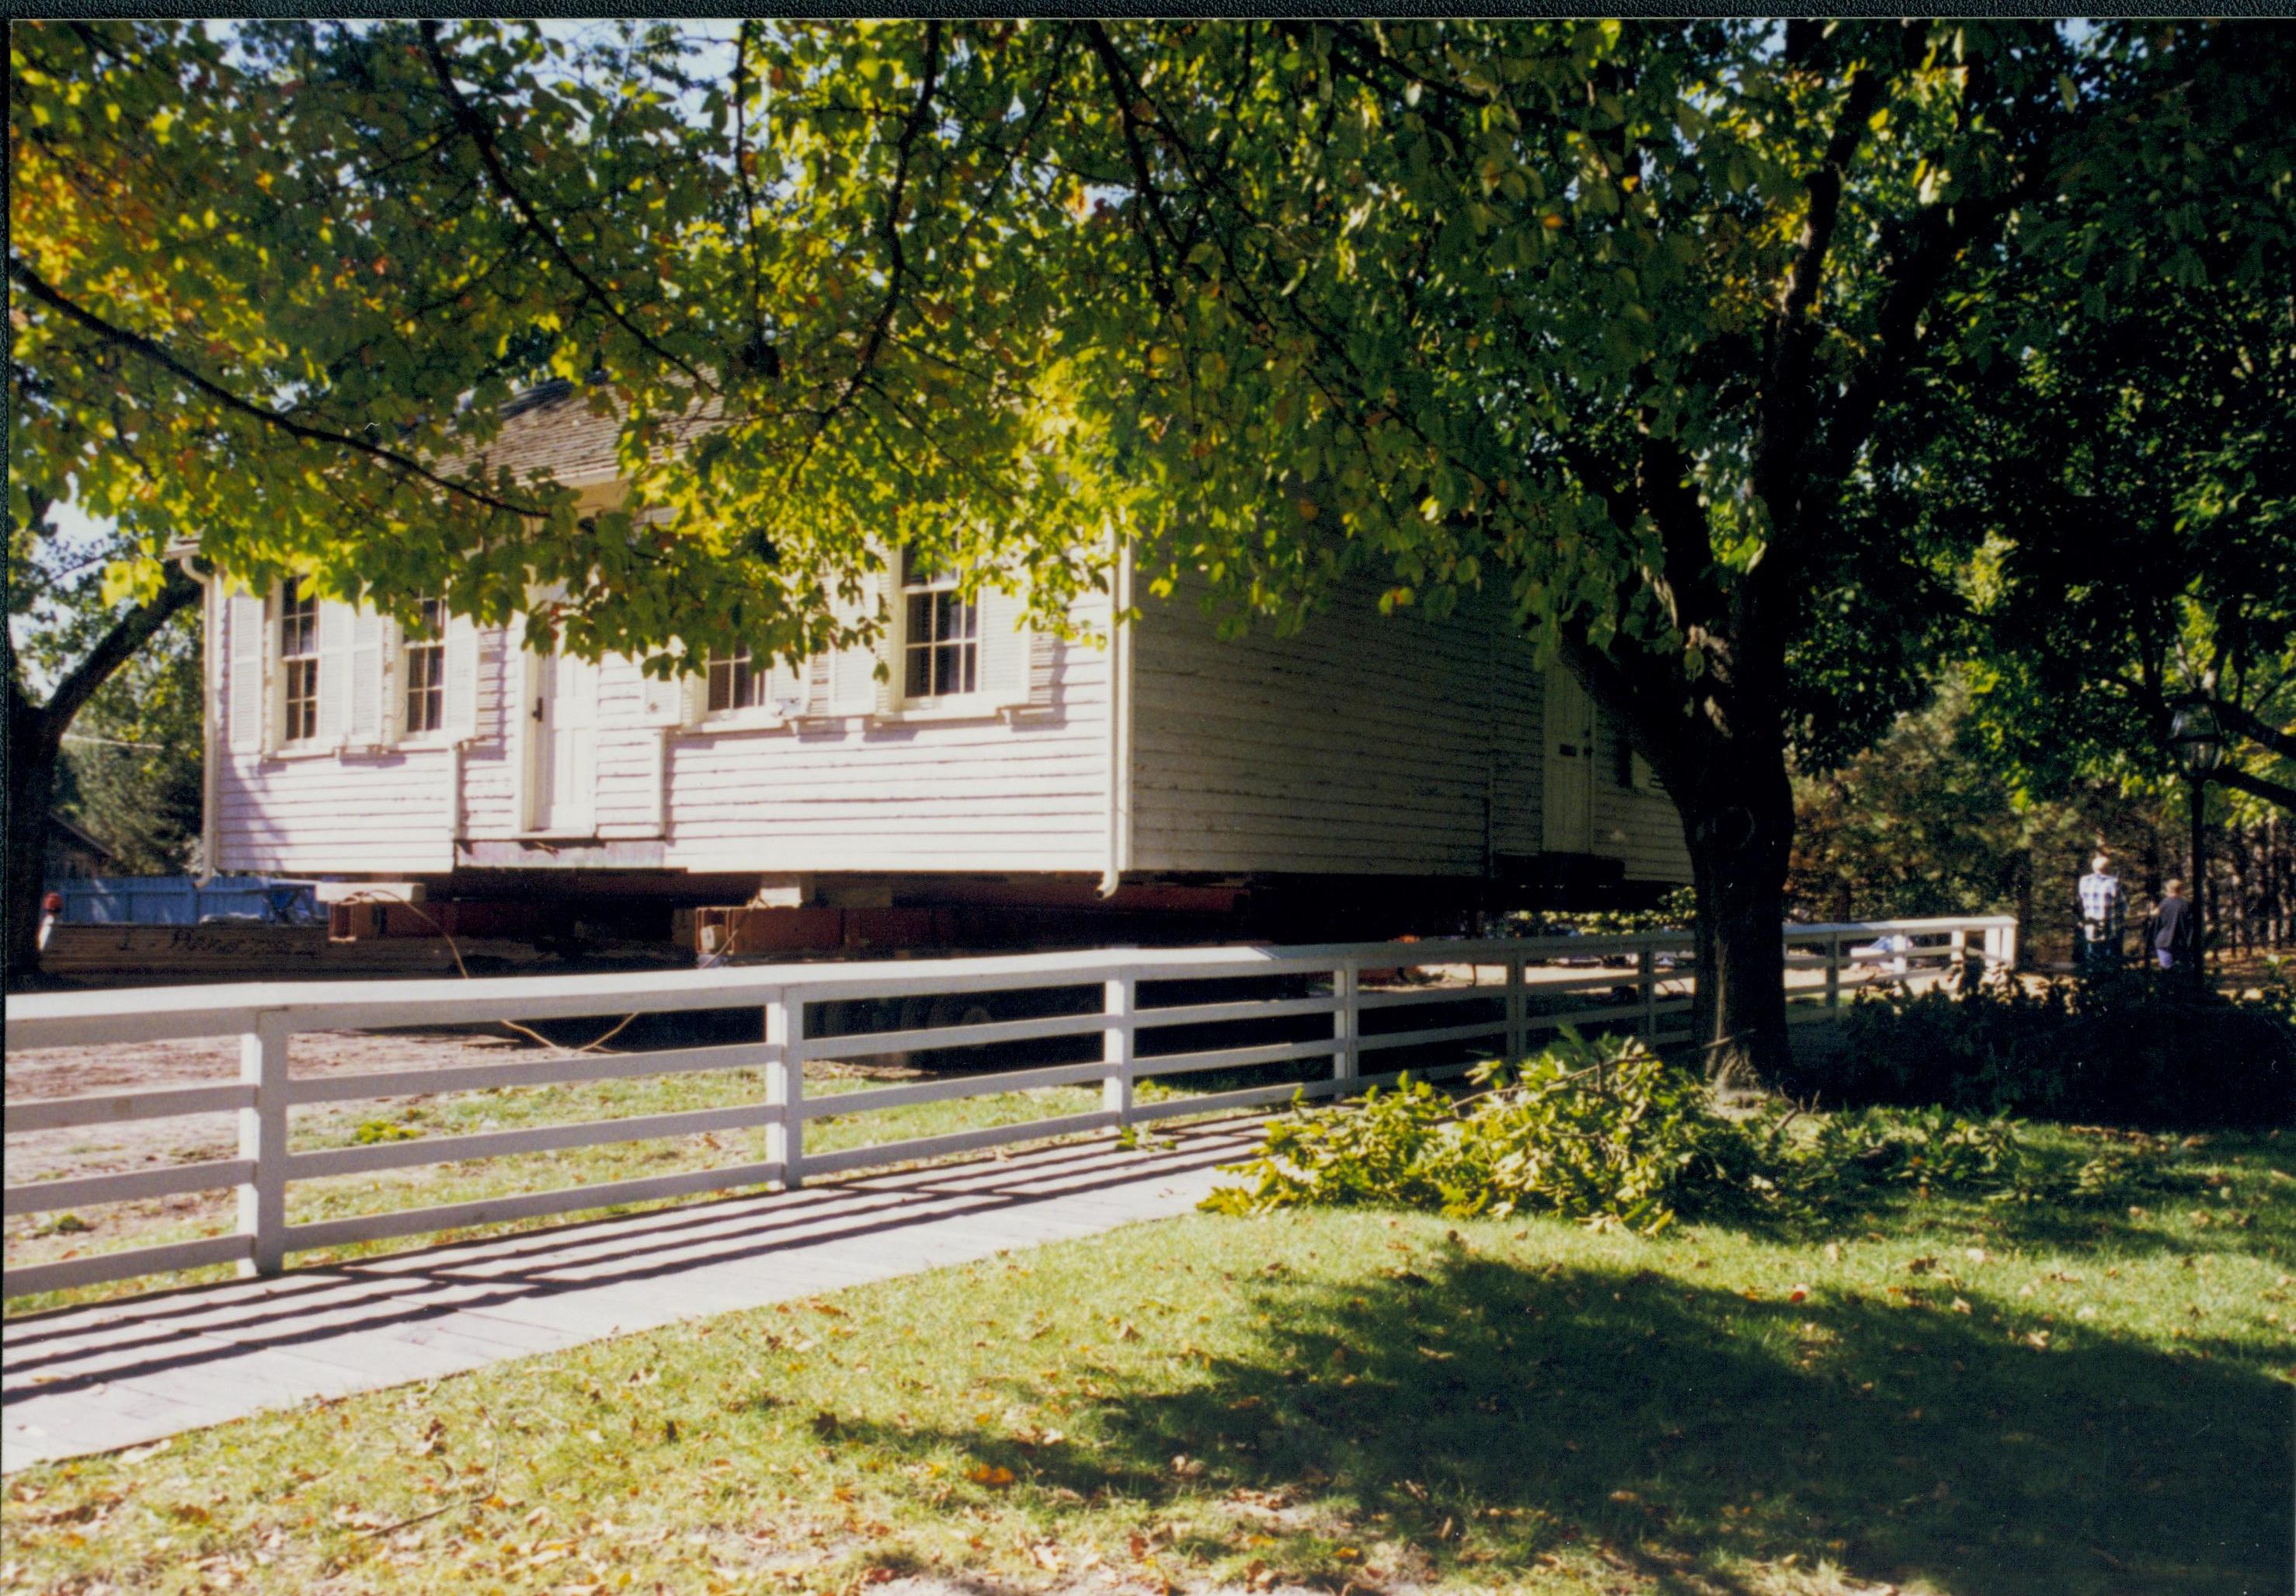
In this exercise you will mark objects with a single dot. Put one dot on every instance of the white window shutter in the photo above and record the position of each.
(662, 698)
(368, 631)
(462, 673)
(888, 690)
(248, 625)
(787, 690)
(337, 622)
(1006, 650)
(694, 697)
(852, 671)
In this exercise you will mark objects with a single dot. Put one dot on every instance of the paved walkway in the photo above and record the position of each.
(121, 1374)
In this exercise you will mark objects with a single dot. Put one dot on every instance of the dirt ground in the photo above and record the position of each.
(132, 1145)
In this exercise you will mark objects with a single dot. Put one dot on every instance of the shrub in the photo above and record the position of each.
(2130, 1051)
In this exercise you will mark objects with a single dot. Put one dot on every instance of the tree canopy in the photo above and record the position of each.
(1641, 322)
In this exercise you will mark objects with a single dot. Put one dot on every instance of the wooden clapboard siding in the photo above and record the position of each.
(1366, 744)
(1027, 793)
(323, 813)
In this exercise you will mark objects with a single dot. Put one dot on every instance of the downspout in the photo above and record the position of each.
(211, 691)
(1120, 722)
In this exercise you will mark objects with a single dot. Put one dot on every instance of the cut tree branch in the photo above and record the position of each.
(146, 349)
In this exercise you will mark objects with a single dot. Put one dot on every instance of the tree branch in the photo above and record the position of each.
(1786, 401)
(481, 134)
(2271, 792)
(2256, 729)
(135, 343)
(913, 126)
(114, 648)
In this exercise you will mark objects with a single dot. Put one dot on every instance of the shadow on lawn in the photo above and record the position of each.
(1897, 1443)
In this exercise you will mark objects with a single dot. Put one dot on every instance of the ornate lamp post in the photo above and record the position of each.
(2197, 738)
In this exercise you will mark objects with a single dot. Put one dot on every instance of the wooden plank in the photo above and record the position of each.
(540, 1072)
(135, 1185)
(525, 1205)
(867, 1044)
(1234, 1058)
(540, 1138)
(917, 1148)
(874, 1099)
(26, 1279)
(113, 1107)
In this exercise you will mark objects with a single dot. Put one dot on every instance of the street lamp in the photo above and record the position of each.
(2197, 737)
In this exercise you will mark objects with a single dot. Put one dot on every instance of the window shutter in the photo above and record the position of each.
(887, 693)
(461, 684)
(787, 690)
(247, 705)
(1007, 650)
(694, 697)
(337, 623)
(368, 631)
(662, 699)
(852, 671)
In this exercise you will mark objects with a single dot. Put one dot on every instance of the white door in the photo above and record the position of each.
(1569, 762)
(561, 745)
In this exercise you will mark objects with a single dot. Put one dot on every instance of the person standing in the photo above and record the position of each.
(2102, 912)
(2172, 930)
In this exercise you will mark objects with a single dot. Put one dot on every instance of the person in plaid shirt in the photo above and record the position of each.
(2103, 910)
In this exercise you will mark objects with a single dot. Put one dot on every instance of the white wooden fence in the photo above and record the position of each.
(1525, 987)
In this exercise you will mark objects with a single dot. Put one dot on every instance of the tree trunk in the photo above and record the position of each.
(34, 747)
(1738, 822)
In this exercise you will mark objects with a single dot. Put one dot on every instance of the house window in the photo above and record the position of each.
(298, 661)
(941, 633)
(425, 656)
(733, 684)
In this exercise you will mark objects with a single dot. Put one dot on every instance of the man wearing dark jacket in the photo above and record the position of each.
(2172, 929)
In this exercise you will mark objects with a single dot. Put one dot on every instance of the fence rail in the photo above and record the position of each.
(1645, 977)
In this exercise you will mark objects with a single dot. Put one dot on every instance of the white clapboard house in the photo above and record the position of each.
(1385, 751)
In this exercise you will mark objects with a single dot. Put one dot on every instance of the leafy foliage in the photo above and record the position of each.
(1605, 1131)
(1592, 1130)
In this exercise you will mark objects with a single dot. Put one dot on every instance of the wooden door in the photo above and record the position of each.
(1569, 748)
(561, 745)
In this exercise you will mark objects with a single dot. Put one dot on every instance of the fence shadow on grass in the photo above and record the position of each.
(1898, 1444)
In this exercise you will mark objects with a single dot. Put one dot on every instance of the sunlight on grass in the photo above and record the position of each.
(1947, 1397)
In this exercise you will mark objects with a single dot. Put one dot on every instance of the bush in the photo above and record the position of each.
(2130, 1051)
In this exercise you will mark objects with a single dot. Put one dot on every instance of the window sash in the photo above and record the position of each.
(425, 660)
(734, 684)
(298, 660)
(940, 635)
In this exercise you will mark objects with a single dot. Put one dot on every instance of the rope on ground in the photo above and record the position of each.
(381, 896)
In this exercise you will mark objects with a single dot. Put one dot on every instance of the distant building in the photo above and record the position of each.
(73, 853)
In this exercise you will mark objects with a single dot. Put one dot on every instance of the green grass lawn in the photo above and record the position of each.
(1938, 1396)
(114, 1227)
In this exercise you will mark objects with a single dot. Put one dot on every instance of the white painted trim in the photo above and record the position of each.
(1120, 722)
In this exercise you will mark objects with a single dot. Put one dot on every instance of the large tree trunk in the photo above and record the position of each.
(33, 749)
(1738, 821)
(35, 735)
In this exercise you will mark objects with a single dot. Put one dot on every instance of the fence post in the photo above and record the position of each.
(263, 1143)
(1646, 975)
(785, 1088)
(1833, 970)
(1518, 1041)
(1958, 962)
(1347, 1062)
(1116, 1043)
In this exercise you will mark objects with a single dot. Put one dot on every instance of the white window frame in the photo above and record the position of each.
(929, 586)
(283, 700)
(431, 644)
